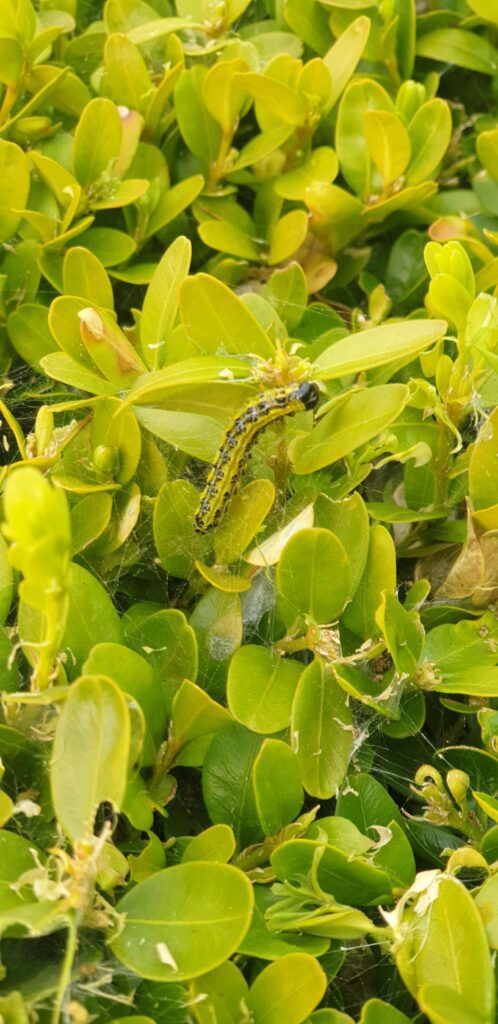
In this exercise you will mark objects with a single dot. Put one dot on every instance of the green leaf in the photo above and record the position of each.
(350, 880)
(15, 178)
(379, 576)
(177, 545)
(216, 319)
(91, 619)
(445, 945)
(488, 803)
(348, 519)
(261, 687)
(242, 520)
(97, 141)
(350, 140)
(90, 756)
(172, 202)
(429, 132)
(309, 22)
(216, 843)
(229, 238)
(277, 786)
(29, 332)
(288, 235)
(313, 577)
(184, 921)
(199, 129)
(376, 1011)
(367, 803)
(63, 368)
(195, 714)
(83, 275)
(127, 76)
(403, 633)
(227, 782)
(378, 346)
(388, 143)
(321, 731)
(6, 582)
(460, 47)
(352, 421)
(108, 245)
(344, 54)
(220, 994)
(168, 643)
(485, 9)
(89, 518)
(223, 96)
(277, 97)
(266, 945)
(486, 904)
(483, 485)
(197, 435)
(445, 1006)
(11, 61)
(287, 991)
(135, 676)
(161, 301)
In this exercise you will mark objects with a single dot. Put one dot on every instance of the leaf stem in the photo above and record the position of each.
(67, 967)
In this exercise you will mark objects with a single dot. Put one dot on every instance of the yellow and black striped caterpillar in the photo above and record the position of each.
(233, 453)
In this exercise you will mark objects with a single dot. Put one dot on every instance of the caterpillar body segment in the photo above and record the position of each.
(255, 416)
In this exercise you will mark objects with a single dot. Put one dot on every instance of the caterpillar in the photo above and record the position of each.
(255, 416)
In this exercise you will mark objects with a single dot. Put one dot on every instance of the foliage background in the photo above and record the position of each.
(252, 775)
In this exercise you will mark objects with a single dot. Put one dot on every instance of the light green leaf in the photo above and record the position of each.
(261, 687)
(321, 731)
(217, 320)
(460, 47)
(288, 235)
(377, 346)
(90, 756)
(277, 97)
(161, 300)
(310, 23)
(344, 54)
(219, 995)
(97, 141)
(242, 520)
(177, 544)
(184, 921)
(355, 419)
(11, 61)
(313, 577)
(443, 1005)
(84, 276)
(445, 944)
(229, 238)
(15, 178)
(277, 786)
(174, 201)
(388, 143)
(199, 129)
(127, 77)
(350, 139)
(287, 991)
(429, 132)
(486, 9)
(215, 843)
(227, 782)
(379, 575)
(63, 368)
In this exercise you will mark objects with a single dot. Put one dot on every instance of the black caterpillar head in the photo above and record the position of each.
(308, 393)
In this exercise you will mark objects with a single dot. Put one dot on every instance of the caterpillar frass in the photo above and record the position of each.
(233, 453)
